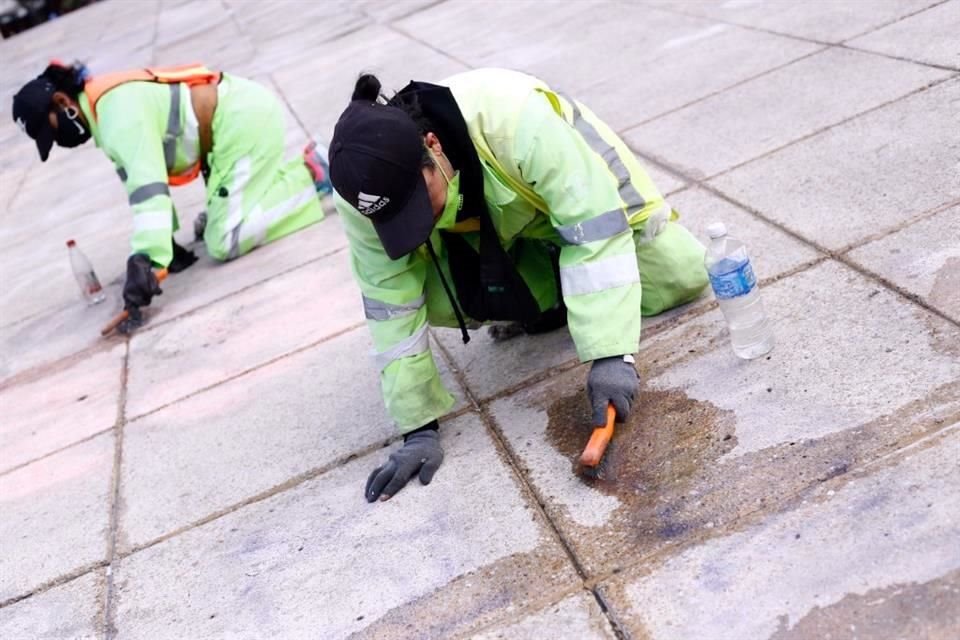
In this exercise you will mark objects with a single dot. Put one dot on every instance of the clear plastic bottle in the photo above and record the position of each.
(83, 271)
(735, 286)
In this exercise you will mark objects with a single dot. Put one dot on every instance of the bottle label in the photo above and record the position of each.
(735, 283)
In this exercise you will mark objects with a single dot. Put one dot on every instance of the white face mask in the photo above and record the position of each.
(454, 200)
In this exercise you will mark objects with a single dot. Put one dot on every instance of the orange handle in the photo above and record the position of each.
(599, 440)
(123, 315)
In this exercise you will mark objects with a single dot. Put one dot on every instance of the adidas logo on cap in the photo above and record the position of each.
(369, 205)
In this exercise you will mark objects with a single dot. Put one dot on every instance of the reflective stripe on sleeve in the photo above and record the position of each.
(602, 227)
(599, 275)
(151, 221)
(147, 191)
(628, 193)
(379, 310)
(419, 342)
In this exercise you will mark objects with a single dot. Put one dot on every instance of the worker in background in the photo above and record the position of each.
(163, 127)
(530, 205)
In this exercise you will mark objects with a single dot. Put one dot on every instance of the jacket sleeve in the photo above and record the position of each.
(568, 167)
(396, 313)
(137, 154)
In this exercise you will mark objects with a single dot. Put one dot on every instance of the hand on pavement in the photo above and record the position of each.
(421, 452)
(612, 380)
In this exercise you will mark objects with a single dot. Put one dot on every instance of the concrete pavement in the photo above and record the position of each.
(203, 479)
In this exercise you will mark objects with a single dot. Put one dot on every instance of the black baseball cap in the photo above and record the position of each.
(31, 109)
(375, 165)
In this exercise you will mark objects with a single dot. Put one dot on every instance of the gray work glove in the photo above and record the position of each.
(612, 380)
(420, 452)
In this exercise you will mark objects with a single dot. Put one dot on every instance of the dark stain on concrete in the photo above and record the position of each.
(929, 610)
(666, 470)
(660, 452)
(523, 581)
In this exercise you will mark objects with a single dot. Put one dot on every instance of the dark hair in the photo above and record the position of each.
(368, 88)
(69, 79)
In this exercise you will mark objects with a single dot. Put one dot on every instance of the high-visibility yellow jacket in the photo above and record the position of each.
(144, 121)
(552, 171)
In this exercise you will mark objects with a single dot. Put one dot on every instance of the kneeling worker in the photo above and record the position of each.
(164, 127)
(528, 203)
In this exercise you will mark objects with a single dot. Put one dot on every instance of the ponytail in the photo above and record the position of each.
(67, 78)
(367, 88)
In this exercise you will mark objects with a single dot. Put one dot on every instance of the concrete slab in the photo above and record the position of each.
(59, 509)
(825, 21)
(855, 180)
(171, 361)
(208, 280)
(929, 36)
(213, 450)
(389, 11)
(662, 60)
(219, 44)
(666, 181)
(764, 114)
(923, 258)
(578, 616)
(431, 559)
(874, 556)
(772, 252)
(60, 408)
(714, 439)
(393, 57)
(71, 610)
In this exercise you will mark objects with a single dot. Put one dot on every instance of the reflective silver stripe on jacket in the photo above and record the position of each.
(379, 310)
(152, 221)
(630, 196)
(147, 191)
(173, 128)
(419, 342)
(606, 225)
(599, 275)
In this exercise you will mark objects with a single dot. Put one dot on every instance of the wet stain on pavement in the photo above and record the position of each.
(519, 582)
(675, 487)
(929, 610)
(662, 450)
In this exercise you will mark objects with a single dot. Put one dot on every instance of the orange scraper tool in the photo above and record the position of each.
(599, 440)
(123, 315)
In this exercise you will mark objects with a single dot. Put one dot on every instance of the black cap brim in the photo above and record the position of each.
(409, 227)
(44, 142)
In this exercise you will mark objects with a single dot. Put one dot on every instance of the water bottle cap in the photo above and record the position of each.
(717, 230)
(71, 243)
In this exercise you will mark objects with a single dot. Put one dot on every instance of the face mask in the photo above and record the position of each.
(70, 129)
(454, 200)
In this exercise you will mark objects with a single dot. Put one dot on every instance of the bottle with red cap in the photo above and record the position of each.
(83, 271)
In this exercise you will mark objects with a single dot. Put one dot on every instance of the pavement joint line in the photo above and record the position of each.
(891, 56)
(838, 43)
(531, 494)
(903, 224)
(116, 477)
(784, 504)
(416, 10)
(625, 130)
(41, 369)
(60, 580)
(249, 370)
(609, 610)
(403, 32)
(54, 452)
(807, 136)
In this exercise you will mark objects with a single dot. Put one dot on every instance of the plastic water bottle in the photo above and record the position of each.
(83, 271)
(736, 289)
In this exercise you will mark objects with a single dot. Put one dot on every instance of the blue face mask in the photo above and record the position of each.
(70, 129)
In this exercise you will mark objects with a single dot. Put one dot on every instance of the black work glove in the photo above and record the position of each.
(141, 284)
(420, 452)
(182, 258)
(612, 380)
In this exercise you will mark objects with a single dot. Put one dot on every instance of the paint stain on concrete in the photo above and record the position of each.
(514, 584)
(929, 610)
(661, 451)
